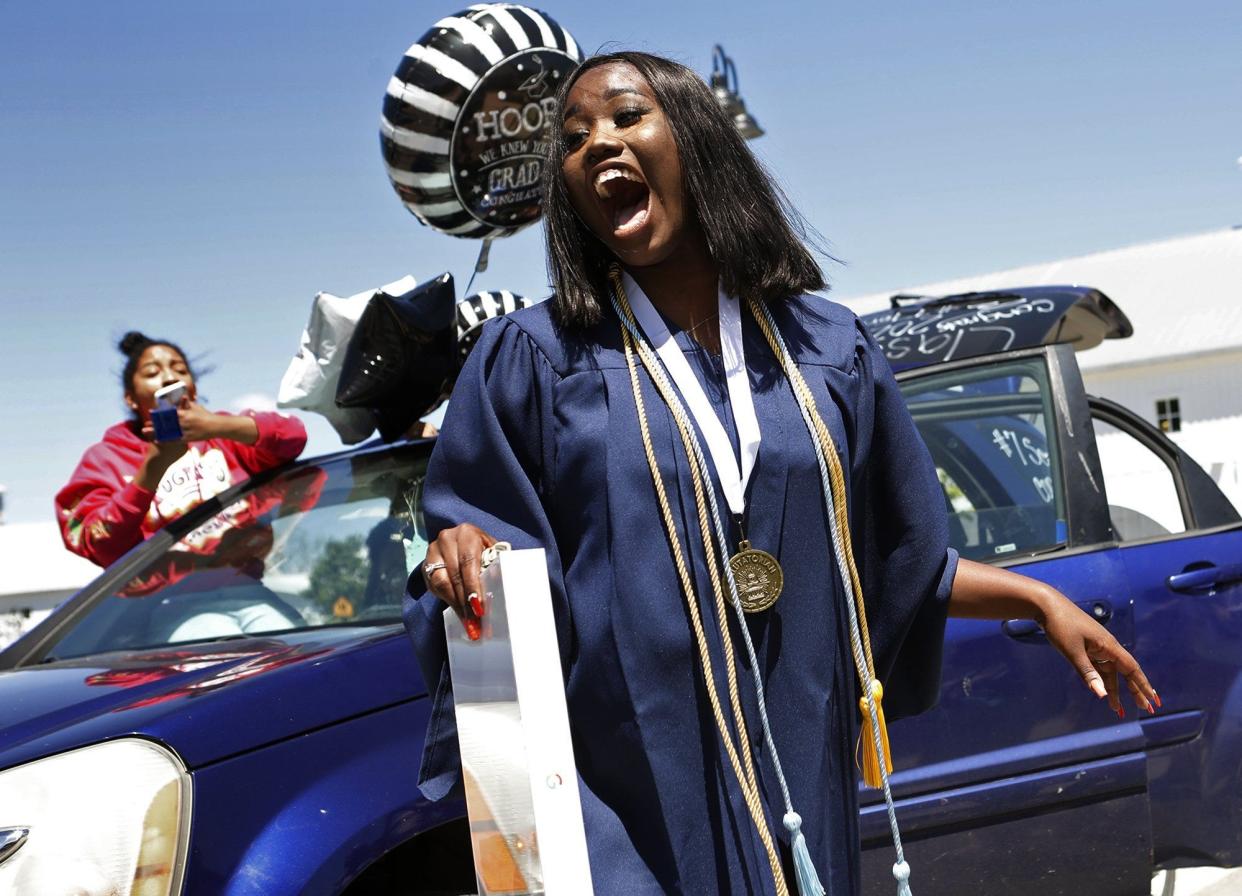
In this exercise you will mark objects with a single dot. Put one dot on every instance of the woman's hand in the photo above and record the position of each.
(988, 592)
(1097, 656)
(159, 457)
(452, 569)
(199, 424)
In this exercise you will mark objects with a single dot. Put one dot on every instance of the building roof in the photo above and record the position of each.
(1183, 295)
(33, 560)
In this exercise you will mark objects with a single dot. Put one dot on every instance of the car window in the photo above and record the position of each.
(1143, 500)
(987, 428)
(315, 546)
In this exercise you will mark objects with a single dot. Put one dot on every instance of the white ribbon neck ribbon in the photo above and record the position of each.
(732, 479)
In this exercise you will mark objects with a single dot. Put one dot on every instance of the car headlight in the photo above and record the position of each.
(106, 820)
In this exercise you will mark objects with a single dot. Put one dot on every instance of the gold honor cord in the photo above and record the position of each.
(740, 757)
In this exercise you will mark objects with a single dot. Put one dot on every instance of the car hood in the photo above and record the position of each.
(206, 701)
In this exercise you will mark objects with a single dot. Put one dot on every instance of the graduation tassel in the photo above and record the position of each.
(870, 759)
(804, 868)
(901, 871)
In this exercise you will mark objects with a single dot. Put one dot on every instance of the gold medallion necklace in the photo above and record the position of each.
(758, 574)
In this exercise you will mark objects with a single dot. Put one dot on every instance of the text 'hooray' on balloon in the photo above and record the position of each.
(463, 130)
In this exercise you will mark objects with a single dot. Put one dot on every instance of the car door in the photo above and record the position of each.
(1181, 546)
(1020, 778)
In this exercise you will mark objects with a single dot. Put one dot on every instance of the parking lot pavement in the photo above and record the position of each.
(1199, 882)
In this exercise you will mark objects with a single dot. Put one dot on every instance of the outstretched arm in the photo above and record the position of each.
(987, 592)
(264, 439)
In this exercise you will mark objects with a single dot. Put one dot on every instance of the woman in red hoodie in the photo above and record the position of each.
(127, 486)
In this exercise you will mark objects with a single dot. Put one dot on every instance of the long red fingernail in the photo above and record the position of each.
(476, 605)
(1157, 696)
(1121, 712)
(473, 630)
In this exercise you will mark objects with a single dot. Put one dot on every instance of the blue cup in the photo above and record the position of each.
(167, 426)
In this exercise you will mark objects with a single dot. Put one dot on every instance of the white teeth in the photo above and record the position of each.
(605, 177)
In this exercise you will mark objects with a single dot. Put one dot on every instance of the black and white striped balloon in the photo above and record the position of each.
(474, 310)
(463, 126)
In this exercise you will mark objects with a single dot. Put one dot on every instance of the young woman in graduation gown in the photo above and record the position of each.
(542, 447)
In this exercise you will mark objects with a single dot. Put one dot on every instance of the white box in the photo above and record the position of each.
(513, 729)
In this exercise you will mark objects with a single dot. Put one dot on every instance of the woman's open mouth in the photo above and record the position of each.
(624, 197)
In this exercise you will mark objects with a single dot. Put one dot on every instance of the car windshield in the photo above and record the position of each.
(314, 546)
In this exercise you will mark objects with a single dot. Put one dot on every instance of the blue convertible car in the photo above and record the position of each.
(249, 723)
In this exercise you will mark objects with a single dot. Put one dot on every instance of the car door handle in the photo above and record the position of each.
(1206, 579)
(1029, 632)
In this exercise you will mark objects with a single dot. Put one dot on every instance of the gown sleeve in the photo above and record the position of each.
(901, 539)
(491, 467)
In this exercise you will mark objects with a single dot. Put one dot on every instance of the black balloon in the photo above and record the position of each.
(402, 357)
(394, 422)
(473, 311)
(465, 116)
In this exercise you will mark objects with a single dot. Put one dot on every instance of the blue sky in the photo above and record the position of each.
(201, 171)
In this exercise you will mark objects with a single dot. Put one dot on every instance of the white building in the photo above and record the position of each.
(36, 574)
(1182, 368)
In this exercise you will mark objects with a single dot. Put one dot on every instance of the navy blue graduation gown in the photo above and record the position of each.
(541, 447)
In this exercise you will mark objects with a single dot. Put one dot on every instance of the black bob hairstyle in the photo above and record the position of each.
(753, 233)
(132, 345)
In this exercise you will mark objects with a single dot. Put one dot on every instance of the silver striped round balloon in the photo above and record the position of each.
(474, 310)
(462, 131)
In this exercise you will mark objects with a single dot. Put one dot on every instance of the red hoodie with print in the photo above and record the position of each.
(102, 513)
